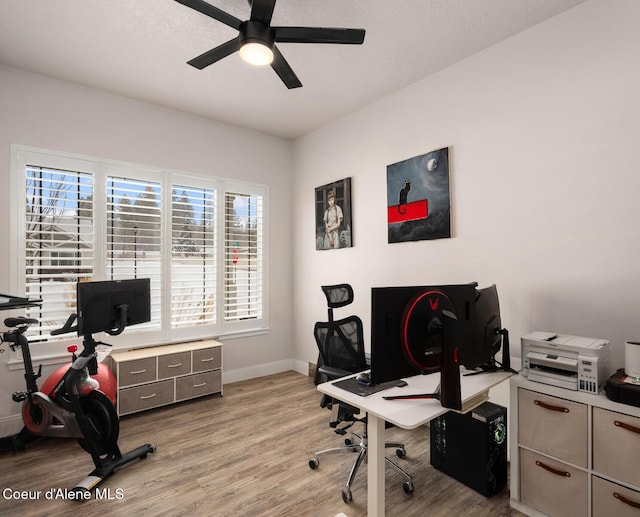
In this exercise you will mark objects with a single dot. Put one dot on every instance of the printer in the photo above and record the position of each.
(571, 362)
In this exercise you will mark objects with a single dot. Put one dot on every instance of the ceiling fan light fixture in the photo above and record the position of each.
(256, 53)
(257, 38)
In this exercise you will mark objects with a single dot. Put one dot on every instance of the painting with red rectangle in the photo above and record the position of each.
(418, 198)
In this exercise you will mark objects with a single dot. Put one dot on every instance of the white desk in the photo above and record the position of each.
(407, 414)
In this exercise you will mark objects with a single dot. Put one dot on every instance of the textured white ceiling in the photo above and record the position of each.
(139, 49)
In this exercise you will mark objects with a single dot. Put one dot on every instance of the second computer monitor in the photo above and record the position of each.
(407, 328)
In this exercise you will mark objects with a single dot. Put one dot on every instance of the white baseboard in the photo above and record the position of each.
(260, 370)
(10, 425)
(300, 367)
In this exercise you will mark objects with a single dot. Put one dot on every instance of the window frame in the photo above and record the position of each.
(53, 348)
(235, 187)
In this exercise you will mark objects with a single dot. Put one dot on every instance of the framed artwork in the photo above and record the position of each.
(418, 198)
(333, 215)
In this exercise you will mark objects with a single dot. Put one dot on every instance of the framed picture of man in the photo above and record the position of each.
(333, 215)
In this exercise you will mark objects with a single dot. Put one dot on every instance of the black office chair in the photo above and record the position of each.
(341, 348)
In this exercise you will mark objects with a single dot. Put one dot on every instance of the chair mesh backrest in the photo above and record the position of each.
(338, 295)
(341, 343)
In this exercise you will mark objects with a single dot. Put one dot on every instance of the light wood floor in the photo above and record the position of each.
(243, 454)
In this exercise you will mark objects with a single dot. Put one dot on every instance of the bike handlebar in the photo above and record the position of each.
(67, 327)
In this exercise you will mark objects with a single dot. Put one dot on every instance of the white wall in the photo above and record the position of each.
(51, 114)
(543, 131)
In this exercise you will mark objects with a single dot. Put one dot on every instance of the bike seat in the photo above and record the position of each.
(20, 320)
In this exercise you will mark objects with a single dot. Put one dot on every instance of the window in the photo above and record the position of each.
(134, 235)
(58, 239)
(193, 256)
(200, 241)
(243, 295)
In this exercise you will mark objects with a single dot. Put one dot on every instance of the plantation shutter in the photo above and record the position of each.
(59, 241)
(243, 256)
(134, 235)
(193, 256)
(201, 240)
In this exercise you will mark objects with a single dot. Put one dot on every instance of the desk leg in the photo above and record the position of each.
(376, 473)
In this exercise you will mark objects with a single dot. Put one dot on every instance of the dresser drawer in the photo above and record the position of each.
(616, 445)
(137, 371)
(612, 499)
(173, 365)
(554, 426)
(207, 359)
(552, 487)
(145, 397)
(198, 384)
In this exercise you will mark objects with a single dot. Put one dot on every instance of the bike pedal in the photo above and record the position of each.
(19, 396)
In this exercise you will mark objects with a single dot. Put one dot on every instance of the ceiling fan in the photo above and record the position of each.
(257, 39)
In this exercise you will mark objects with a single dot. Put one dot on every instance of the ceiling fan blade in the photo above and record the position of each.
(284, 71)
(319, 35)
(217, 14)
(262, 10)
(215, 54)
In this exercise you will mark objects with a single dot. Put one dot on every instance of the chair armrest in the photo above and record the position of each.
(333, 373)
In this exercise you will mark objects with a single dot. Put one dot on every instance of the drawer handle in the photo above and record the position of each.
(144, 397)
(625, 500)
(174, 365)
(550, 407)
(137, 372)
(628, 427)
(554, 471)
(200, 385)
(207, 360)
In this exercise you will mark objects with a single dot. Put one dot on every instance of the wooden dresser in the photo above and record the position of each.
(157, 376)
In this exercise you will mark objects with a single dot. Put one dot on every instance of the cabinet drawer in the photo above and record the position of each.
(207, 359)
(616, 445)
(612, 499)
(554, 426)
(145, 397)
(198, 384)
(174, 364)
(552, 487)
(137, 371)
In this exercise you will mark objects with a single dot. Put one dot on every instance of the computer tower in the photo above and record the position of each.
(472, 447)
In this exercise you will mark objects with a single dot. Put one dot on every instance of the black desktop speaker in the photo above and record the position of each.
(472, 447)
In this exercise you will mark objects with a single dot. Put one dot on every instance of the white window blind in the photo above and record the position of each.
(134, 234)
(193, 256)
(200, 240)
(243, 257)
(58, 240)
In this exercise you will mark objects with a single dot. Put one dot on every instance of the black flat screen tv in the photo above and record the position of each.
(407, 328)
(111, 305)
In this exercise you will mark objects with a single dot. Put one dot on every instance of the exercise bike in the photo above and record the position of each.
(75, 407)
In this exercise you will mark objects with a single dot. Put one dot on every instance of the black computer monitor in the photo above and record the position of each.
(111, 305)
(407, 328)
(486, 330)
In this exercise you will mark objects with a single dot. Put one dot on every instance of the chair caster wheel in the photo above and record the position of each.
(407, 486)
(313, 463)
(401, 453)
(346, 495)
